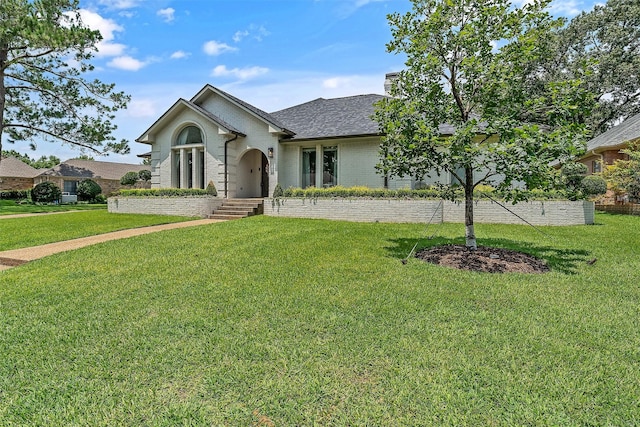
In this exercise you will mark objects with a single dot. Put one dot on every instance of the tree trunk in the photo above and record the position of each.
(4, 53)
(469, 234)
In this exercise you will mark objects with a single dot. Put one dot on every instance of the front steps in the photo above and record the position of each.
(238, 208)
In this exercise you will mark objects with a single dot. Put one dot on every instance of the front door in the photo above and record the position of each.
(253, 175)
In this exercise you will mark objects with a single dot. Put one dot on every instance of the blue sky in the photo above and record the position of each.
(270, 53)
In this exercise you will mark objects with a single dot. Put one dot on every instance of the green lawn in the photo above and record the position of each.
(285, 322)
(9, 207)
(40, 229)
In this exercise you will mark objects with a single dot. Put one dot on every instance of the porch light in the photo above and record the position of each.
(270, 152)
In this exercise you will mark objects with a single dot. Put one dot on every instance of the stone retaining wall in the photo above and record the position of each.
(423, 211)
(181, 206)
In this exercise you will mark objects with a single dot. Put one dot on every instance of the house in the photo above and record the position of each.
(16, 175)
(245, 152)
(605, 148)
(67, 175)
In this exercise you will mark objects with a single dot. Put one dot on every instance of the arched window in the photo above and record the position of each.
(189, 135)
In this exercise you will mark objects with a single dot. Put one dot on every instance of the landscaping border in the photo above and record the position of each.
(550, 212)
(194, 206)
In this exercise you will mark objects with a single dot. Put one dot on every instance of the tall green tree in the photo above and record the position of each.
(602, 48)
(44, 52)
(44, 162)
(474, 66)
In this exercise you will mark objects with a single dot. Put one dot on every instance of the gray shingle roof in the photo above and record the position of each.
(618, 135)
(83, 169)
(326, 118)
(11, 167)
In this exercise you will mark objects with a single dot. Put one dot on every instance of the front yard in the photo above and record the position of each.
(274, 321)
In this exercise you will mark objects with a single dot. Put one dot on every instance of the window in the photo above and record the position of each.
(329, 166)
(189, 135)
(70, 187)
(596, 166)
(308, 167)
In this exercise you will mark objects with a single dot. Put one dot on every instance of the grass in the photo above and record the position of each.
(10, 207)
(271, 321)
(38, 230)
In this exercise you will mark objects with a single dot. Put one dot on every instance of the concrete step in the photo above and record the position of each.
(237, 209)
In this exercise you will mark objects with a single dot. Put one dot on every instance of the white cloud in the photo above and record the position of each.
(127, 63)
(119, 4)
(142, 108)
(239, 73)
(180, 54)
(168, 14)
(215, 48)
(107, 28)
(239, 35)
(336, 82)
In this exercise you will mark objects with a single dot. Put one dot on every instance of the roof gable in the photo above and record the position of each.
(16, 168)
(179, 106)
(274, 124)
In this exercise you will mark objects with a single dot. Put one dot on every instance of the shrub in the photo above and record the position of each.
(278, 191)
(14, 194)
(88, 189)
(211, 189)
(593, 185)
(144, 175)
(129, 178)
(46, 192)
(163, 192)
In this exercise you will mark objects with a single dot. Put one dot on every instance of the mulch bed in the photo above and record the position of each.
(484, 259)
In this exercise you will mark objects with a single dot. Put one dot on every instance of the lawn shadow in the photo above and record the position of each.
(564, 260)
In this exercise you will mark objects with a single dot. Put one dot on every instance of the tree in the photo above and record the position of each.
(43, 162)
(624, 175)
(88, 189)
(129, 178)
(46, 192)
(601, 47)
(83, 157)
(44, 51)
(474, 65)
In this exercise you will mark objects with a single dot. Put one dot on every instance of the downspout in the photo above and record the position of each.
(226, 174)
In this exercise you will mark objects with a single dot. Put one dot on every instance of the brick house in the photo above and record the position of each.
(605, 148)
(16, 175)
(67, 175)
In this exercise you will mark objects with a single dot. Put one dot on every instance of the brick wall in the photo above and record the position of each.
(424, 211)
(12, 183)
(181, 206)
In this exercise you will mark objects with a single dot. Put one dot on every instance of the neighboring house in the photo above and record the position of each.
(16, 175)
(67, 175)
(216, 137)
(605, 148)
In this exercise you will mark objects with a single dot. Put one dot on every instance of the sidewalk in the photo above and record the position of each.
(15, 257)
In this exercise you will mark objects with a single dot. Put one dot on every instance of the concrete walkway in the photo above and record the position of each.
(15, 257)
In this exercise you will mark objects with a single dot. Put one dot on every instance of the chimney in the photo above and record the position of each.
(389, 78)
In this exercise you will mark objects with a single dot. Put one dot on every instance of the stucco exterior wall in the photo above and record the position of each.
(181, 206)
(424, 211)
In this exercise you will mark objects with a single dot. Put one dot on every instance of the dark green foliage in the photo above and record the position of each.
(45, 50)
(129, 178)
(278, 191)
(572, 174)
(14, 194)
(46, 192)
(211, 189)
(163, 192)
(144, 175)
(43, 162)
(88, 189)
(593, 185)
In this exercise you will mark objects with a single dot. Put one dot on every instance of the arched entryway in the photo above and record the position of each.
(253, 175)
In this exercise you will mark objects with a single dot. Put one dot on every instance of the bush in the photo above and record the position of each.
(593, 185)
(163, 192)
(88, 189)
(14, 194)
(278, 191)
(129, 178)
(211, 189)
(144, 175)
(46, 192)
